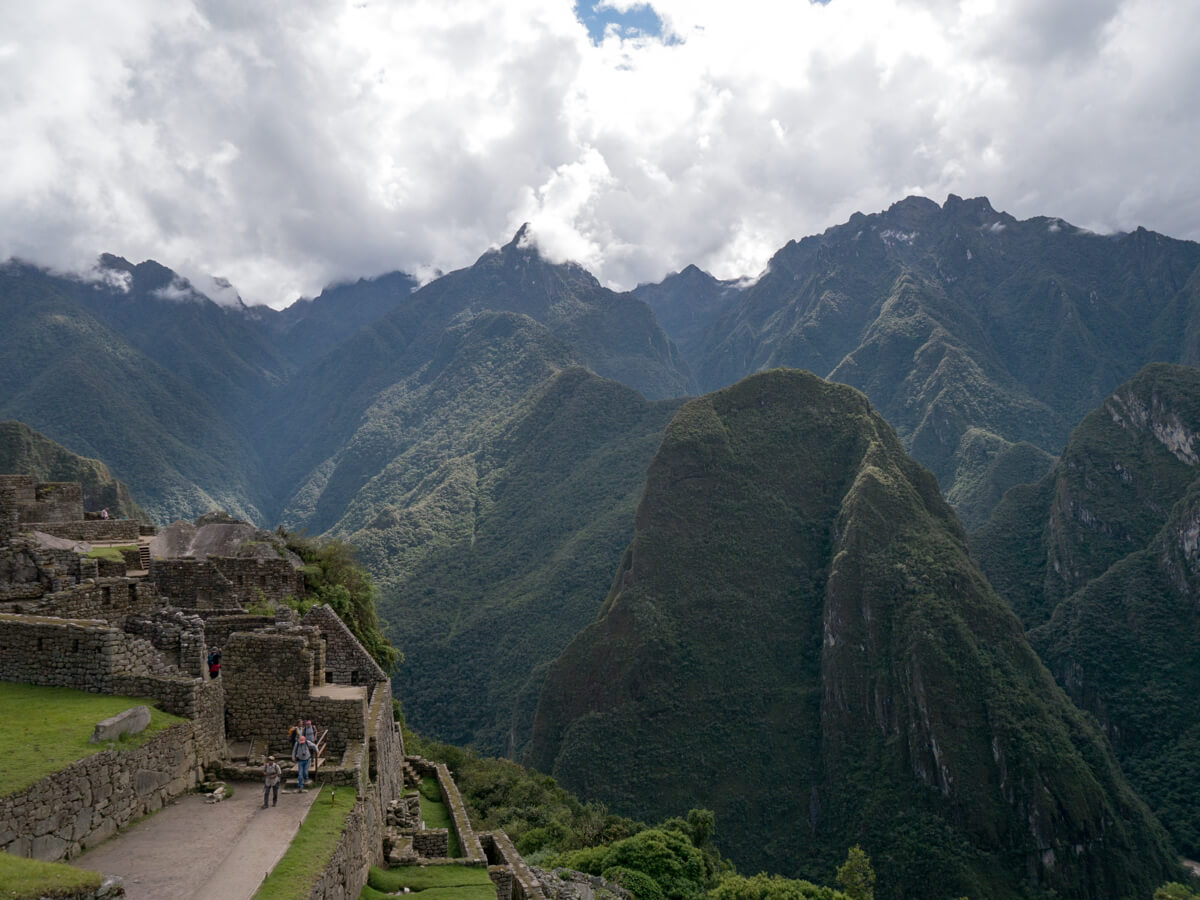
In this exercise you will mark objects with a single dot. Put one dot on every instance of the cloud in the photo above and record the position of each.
(284, 147)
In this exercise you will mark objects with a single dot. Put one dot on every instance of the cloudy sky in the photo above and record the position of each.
(286, 145)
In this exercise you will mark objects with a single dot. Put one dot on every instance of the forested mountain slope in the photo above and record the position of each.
(959, 323)
(798, 636)
(1100, 559)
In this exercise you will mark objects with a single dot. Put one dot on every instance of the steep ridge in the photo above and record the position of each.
(952, 319)
(1100, 560)
(24, 451)
(82, 384)
(613, 334)
(798, 637)
(491, 494)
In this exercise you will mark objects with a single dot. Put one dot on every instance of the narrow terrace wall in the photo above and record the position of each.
(92, 531)
(112, 599)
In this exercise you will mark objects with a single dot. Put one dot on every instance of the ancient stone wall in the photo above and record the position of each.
(266, 676)
(90, 655)
(93, 531)
(28, 570)
(385, 766)
(217, 629)
(504, 858)
(53, 501)
(9, 516)
(254, 580)
(112, 599)
(221, 582)
(346, 661)
(472, 850)
(81, 805)
(179, 636)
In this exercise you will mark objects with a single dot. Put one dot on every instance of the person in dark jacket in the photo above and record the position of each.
(302, 753)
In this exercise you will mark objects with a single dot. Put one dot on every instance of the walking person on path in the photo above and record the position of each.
(302, 753)
(294, 733)
(271, 775)
(310, 732)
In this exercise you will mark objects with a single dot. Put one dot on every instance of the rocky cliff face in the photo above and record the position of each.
(798, 637)
(1100, 560)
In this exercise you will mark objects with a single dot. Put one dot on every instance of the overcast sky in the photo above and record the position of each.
(286, 145)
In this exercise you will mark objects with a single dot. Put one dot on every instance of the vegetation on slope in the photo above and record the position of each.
(497, 496)
(798, 636)
(1099, 560)
(45, 729)
(334, 575)
(551, 827)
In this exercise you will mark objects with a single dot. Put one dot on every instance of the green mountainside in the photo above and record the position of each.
(82, 384)
(1100, 560)
(25, 452)
(491, 493)
(798, 638)
(954, 320)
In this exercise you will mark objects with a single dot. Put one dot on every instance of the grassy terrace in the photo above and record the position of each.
(29, 879)
(45, 729)
(431, 883)
(311, 850)
(437, 815)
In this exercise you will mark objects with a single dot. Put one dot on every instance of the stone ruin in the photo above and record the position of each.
(139, 618)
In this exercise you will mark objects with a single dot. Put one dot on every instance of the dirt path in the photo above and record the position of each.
(194, 849)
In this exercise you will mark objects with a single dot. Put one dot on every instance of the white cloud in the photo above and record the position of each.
(287, 146)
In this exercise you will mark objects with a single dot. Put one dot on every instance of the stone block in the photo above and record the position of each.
(132, 721)
(48, 848)
(146, 781)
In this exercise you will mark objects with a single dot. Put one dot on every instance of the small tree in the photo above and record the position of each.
(856, 876)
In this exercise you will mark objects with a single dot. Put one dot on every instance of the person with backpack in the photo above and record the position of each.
(271, 775)
(294, 733)
(214, 663)
(302, 753)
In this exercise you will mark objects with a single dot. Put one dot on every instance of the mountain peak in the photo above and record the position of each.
(521, 240)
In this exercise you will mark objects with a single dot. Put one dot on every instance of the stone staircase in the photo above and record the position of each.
(144, 557)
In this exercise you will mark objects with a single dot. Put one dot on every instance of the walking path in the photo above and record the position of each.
(192, 849)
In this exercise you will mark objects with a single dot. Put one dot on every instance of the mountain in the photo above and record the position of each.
(490, 493)
(957, 322)
(798, 637)
(25, 452)
(81, 383)
(686, 304)
(309, 328)
(614, 335)
(1100, 560)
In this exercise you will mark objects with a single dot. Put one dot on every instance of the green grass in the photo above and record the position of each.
(45, 729)
(311, 849)
(432, 882)
(113, 553)
(28, 879)
(437, 815)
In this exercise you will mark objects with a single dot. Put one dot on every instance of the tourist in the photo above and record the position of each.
(310, 732)
(302, 753)
(294, 733)
(214, 663)
(271, 775)
(104, 513)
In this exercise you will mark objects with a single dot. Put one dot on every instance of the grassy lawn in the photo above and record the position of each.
(311, 849)
(431, 882)
(437, 815)
(109, 552)
(29, 879)
(45, 729)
